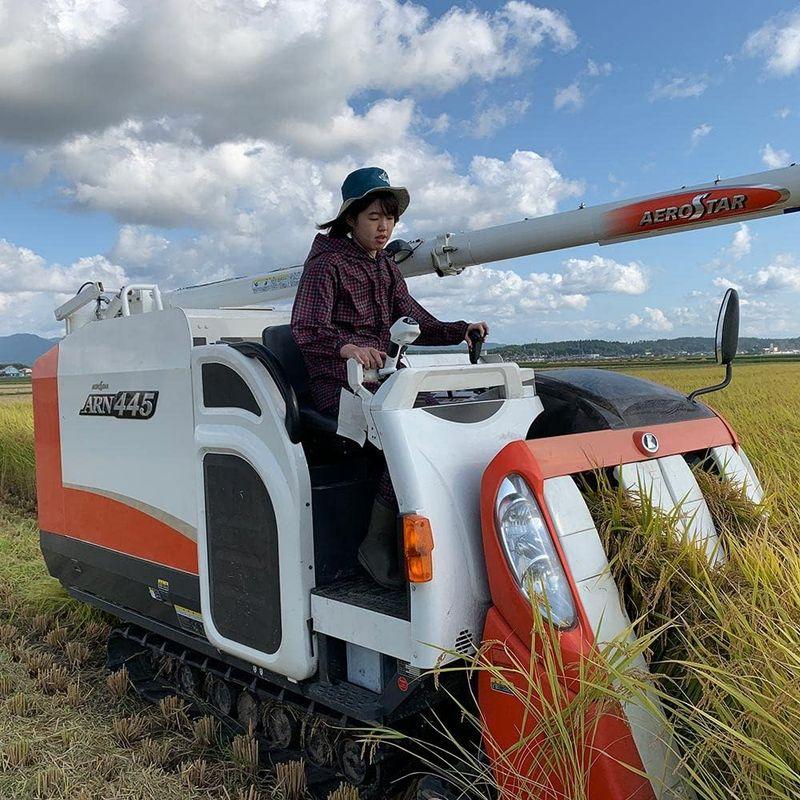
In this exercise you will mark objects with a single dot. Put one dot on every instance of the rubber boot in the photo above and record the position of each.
(378, 553)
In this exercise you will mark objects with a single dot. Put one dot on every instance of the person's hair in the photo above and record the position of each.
(340, 227)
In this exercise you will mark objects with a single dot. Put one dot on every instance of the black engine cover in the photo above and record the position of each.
(579, 400)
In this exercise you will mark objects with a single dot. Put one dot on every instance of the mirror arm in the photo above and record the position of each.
(717, 387)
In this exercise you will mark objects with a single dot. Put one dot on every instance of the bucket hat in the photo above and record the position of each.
(366, 181)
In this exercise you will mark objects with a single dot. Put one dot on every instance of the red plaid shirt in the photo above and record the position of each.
(347, 297)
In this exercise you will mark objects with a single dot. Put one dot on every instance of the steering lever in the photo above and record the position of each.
(476, 340)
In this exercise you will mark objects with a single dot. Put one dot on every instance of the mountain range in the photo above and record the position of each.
(23, 349)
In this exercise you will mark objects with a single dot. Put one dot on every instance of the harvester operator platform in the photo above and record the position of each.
(350, 293)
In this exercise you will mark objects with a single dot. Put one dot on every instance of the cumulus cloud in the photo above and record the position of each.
(774, 158)
(700, 132)
(30, 288)
(654, 319)
(242, 68)
(778, 42)
(595, 70)
(782, 275)
(570, 97)
(742, 242)
(508, 297)
(492, 118)
(597, 274)
(678, 87)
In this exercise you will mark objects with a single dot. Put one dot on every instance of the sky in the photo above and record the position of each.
(177, 142)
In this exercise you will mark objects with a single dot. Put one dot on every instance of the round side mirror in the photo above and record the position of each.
(727, 338)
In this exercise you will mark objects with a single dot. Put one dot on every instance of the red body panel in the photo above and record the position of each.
(612, 754)
(85, 515)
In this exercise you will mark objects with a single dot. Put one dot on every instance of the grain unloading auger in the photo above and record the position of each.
(186, 486)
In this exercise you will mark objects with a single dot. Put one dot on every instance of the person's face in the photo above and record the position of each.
(372, 228)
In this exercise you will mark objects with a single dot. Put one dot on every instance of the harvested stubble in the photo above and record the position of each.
(119, 683)
(206, 731)
(291, 782)
(244, 751)
(344, 791)
(129, 730)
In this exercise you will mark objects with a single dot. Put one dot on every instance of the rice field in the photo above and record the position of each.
(728, 639)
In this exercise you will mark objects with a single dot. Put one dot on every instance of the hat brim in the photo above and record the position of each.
(400, 192)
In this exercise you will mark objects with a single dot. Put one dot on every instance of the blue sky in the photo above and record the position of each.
(142, 141)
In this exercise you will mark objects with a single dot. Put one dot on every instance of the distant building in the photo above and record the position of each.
(26, 372)
(11, 372)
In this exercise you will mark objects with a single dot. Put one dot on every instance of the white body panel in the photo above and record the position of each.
(436, 467)
(602, 603)
(146, 464)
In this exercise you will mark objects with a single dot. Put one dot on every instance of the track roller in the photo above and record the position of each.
(188, 680)
(279, 725)
(247, 711)
(353, 762)
(220, 695)
(318, 742)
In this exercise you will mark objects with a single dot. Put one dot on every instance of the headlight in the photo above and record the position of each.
(530, 552)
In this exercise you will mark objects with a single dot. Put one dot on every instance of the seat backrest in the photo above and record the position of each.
(280, 342)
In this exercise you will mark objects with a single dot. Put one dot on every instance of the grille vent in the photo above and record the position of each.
(465, 645)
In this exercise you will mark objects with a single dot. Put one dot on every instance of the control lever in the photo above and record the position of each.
(476, 340)
(402, 333)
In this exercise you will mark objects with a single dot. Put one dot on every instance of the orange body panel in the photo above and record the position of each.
(578, 452)
(47, 441)
(85, 515)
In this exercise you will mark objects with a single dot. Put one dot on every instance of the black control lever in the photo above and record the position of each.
(476, 340)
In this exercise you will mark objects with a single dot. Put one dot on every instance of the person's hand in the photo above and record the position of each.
(369, 357)
(481, 327)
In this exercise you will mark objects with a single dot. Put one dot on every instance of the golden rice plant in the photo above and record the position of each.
(249, 793)
(153, 753)
(727, 656)
(196, 773)
(75, 695)
(17, 476)
(8, 634)
(6, 685)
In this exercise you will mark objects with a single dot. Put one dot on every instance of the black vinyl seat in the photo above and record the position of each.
(283, 348)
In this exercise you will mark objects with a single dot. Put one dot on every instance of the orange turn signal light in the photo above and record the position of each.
(418, 548)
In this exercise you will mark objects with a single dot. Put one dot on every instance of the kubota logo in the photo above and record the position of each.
(650, 442)
(690, 208)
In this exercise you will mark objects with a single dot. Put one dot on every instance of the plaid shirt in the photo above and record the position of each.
(347, 297)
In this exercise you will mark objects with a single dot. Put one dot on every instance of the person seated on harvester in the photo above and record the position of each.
(349, 294)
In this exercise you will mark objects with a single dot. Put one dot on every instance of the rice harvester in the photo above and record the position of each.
(187, 487)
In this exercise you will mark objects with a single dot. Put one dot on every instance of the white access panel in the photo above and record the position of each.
(672, 486)
(735, 467)
(262, 442)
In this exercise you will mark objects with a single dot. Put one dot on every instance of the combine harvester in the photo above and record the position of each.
(186, 487)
